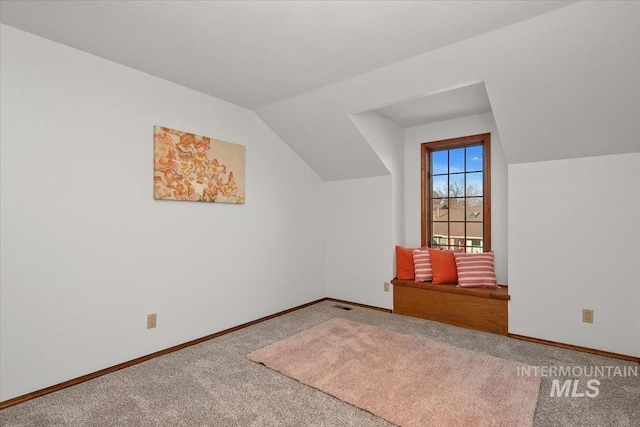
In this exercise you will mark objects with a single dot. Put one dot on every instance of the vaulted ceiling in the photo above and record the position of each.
(561, 77)
(255, 53)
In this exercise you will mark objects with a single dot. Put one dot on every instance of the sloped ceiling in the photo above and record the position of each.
(254, 53)
(562, 80)
(561, 85)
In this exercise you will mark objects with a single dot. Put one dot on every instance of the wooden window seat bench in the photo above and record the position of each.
(474, 308)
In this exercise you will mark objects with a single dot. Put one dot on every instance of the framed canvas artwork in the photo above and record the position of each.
(197, 168)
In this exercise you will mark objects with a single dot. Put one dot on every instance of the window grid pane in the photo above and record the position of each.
(457, 221)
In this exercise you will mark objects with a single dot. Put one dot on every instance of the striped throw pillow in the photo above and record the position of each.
(422, 263)
(475, 270)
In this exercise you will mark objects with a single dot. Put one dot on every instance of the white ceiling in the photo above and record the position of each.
(256, 53)
(562, 77)
(562, 85)
(447, 105)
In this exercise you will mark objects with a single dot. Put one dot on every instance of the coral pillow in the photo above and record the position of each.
(443, 265)
(405, 269)
(422, 263)
(476, 270)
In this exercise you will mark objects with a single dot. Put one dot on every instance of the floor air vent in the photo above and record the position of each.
(343, 307)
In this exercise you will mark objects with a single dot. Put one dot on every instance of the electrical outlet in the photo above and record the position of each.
(152, 320)
(386, 286)
(587, 315)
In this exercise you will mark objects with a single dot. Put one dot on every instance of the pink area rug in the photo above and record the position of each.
(405, 380)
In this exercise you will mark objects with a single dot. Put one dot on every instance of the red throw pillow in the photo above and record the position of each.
(443, 265)
(405, 270)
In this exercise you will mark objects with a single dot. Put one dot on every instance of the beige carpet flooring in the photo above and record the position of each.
(213, 384)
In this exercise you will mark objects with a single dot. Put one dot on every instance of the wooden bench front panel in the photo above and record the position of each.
(458, 309)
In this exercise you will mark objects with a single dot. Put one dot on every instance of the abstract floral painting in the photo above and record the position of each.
(196, 168)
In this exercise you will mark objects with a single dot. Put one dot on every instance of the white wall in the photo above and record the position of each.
(365, 220)
(574, 239)
(359, 240)
(471, 125)
(387, 140)
(86, 252)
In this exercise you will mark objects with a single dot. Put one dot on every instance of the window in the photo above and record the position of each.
(456, 193)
